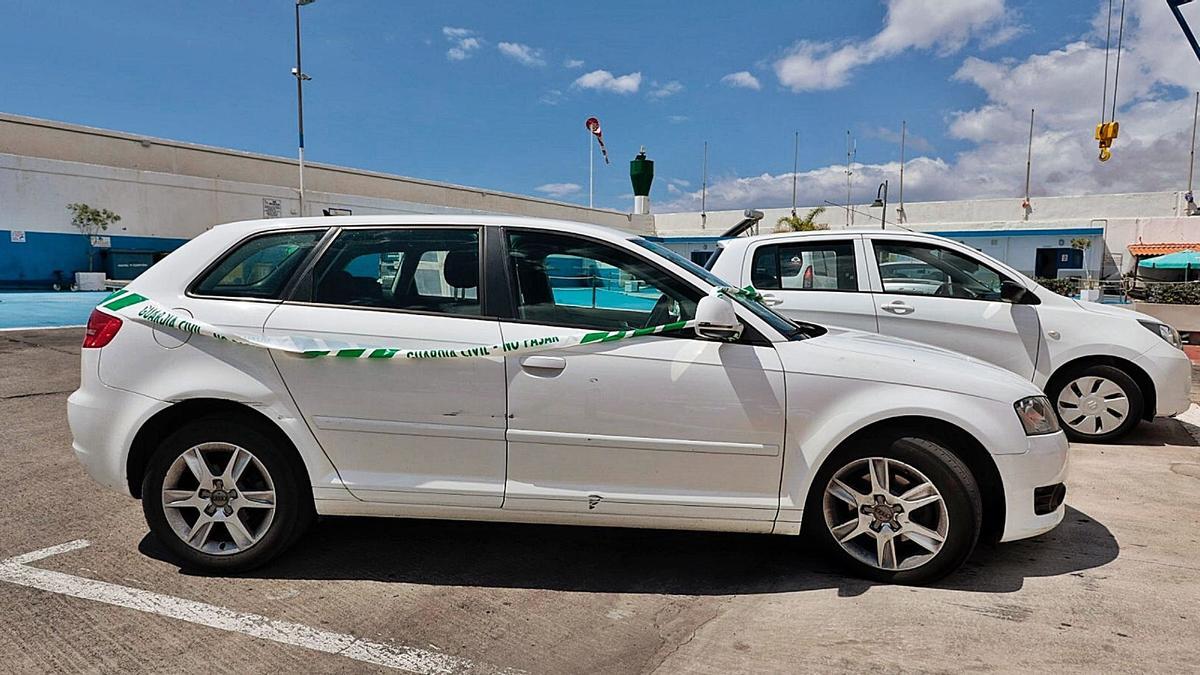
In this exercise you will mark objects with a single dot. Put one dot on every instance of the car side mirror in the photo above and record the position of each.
(1011, 291)
(716, 320)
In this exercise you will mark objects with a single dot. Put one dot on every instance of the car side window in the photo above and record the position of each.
(910, 268)
(807, 266)
(421, 269)
(569, 281)
(260, 267)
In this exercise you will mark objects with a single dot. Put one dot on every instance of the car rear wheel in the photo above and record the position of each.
(222, 496)
(898, 508)
(1097, 404)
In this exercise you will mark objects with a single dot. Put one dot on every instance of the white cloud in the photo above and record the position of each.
(572, 64)
(602, 80)
(462, 42)
(664, 90)
(677, 119)
(742, 79)
(552, 97)
(909, 24)
(522, 54)
(1065, 86)
(559, 190)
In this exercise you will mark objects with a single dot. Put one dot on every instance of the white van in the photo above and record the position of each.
(1105, 368)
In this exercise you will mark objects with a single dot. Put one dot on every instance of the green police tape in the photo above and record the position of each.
(129, 305)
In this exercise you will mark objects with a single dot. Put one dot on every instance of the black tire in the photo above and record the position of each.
(1133, 394)
(954, 481)
(293, 502)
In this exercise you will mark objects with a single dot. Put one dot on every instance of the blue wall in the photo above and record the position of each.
(32, 264)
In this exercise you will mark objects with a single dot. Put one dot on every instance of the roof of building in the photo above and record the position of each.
(1141, 249)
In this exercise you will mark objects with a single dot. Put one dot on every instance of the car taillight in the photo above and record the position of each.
(101, 329)
(808, 277)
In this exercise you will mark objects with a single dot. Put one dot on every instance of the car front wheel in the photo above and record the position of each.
(1097, 404)
(223, 497)
(897, 508)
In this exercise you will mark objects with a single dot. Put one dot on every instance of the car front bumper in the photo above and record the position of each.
(1171, 371)
(1043, 465)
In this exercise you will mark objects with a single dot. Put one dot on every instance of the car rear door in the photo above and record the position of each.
(944, 296)
(427, 432)
(656, 427)
(819, 279)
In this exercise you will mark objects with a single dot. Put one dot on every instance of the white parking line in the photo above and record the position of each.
(16, 570)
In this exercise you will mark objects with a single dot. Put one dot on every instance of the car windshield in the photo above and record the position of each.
(788, 328)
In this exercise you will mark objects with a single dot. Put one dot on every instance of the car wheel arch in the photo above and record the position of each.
(165, 421)
(1135, 372)
(959, 442)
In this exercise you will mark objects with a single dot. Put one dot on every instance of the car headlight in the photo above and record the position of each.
(1165, 332)
(1037, 415)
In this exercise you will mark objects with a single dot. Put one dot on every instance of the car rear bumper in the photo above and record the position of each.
(102, 419)
(1171, 371)
(1043, 466)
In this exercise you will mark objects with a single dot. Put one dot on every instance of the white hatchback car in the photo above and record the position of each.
(899, 456)
(1104, 367)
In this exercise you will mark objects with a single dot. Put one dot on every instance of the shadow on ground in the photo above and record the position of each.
(1162, 431)
(613, 560)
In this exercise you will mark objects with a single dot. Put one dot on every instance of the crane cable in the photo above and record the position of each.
(1106, 132)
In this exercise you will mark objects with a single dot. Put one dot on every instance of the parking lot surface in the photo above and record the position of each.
(1115, 588)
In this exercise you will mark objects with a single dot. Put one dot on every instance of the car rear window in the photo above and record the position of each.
(817, 266)
(259, 267)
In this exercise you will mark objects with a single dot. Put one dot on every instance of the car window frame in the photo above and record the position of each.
(311, 264)
(878, 274)
(750, 335)
(285, 290)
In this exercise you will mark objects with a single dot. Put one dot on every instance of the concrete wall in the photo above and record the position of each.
(984, 213)
(167, 192)
(32, 137)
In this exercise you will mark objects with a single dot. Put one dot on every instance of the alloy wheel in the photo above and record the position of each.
(218, 498)
(886, 514)
(1092, 405)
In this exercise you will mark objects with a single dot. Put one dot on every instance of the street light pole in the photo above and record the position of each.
(881, 202)
(300, 78)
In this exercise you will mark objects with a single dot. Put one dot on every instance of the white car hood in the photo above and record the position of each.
(879, 358)
(1115, 312)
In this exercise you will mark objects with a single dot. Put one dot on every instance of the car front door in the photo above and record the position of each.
(945, 297)
(661, 426)
(815, 279)
(425, 432)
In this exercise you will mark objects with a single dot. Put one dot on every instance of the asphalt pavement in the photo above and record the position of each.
(1114, 588)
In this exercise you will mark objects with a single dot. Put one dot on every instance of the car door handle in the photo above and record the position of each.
(770, 299)
(898, 307)
(544, 362)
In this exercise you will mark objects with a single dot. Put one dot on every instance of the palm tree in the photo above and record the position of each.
(794, 223)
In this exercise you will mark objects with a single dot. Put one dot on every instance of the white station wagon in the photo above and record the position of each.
(897, 457)
(1104, 367)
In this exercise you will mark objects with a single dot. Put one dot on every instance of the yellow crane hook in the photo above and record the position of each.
(1106, 133)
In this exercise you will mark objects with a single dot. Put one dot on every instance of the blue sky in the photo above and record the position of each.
(495, 94)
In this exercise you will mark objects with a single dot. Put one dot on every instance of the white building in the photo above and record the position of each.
(167, 192)
(1034, 242)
